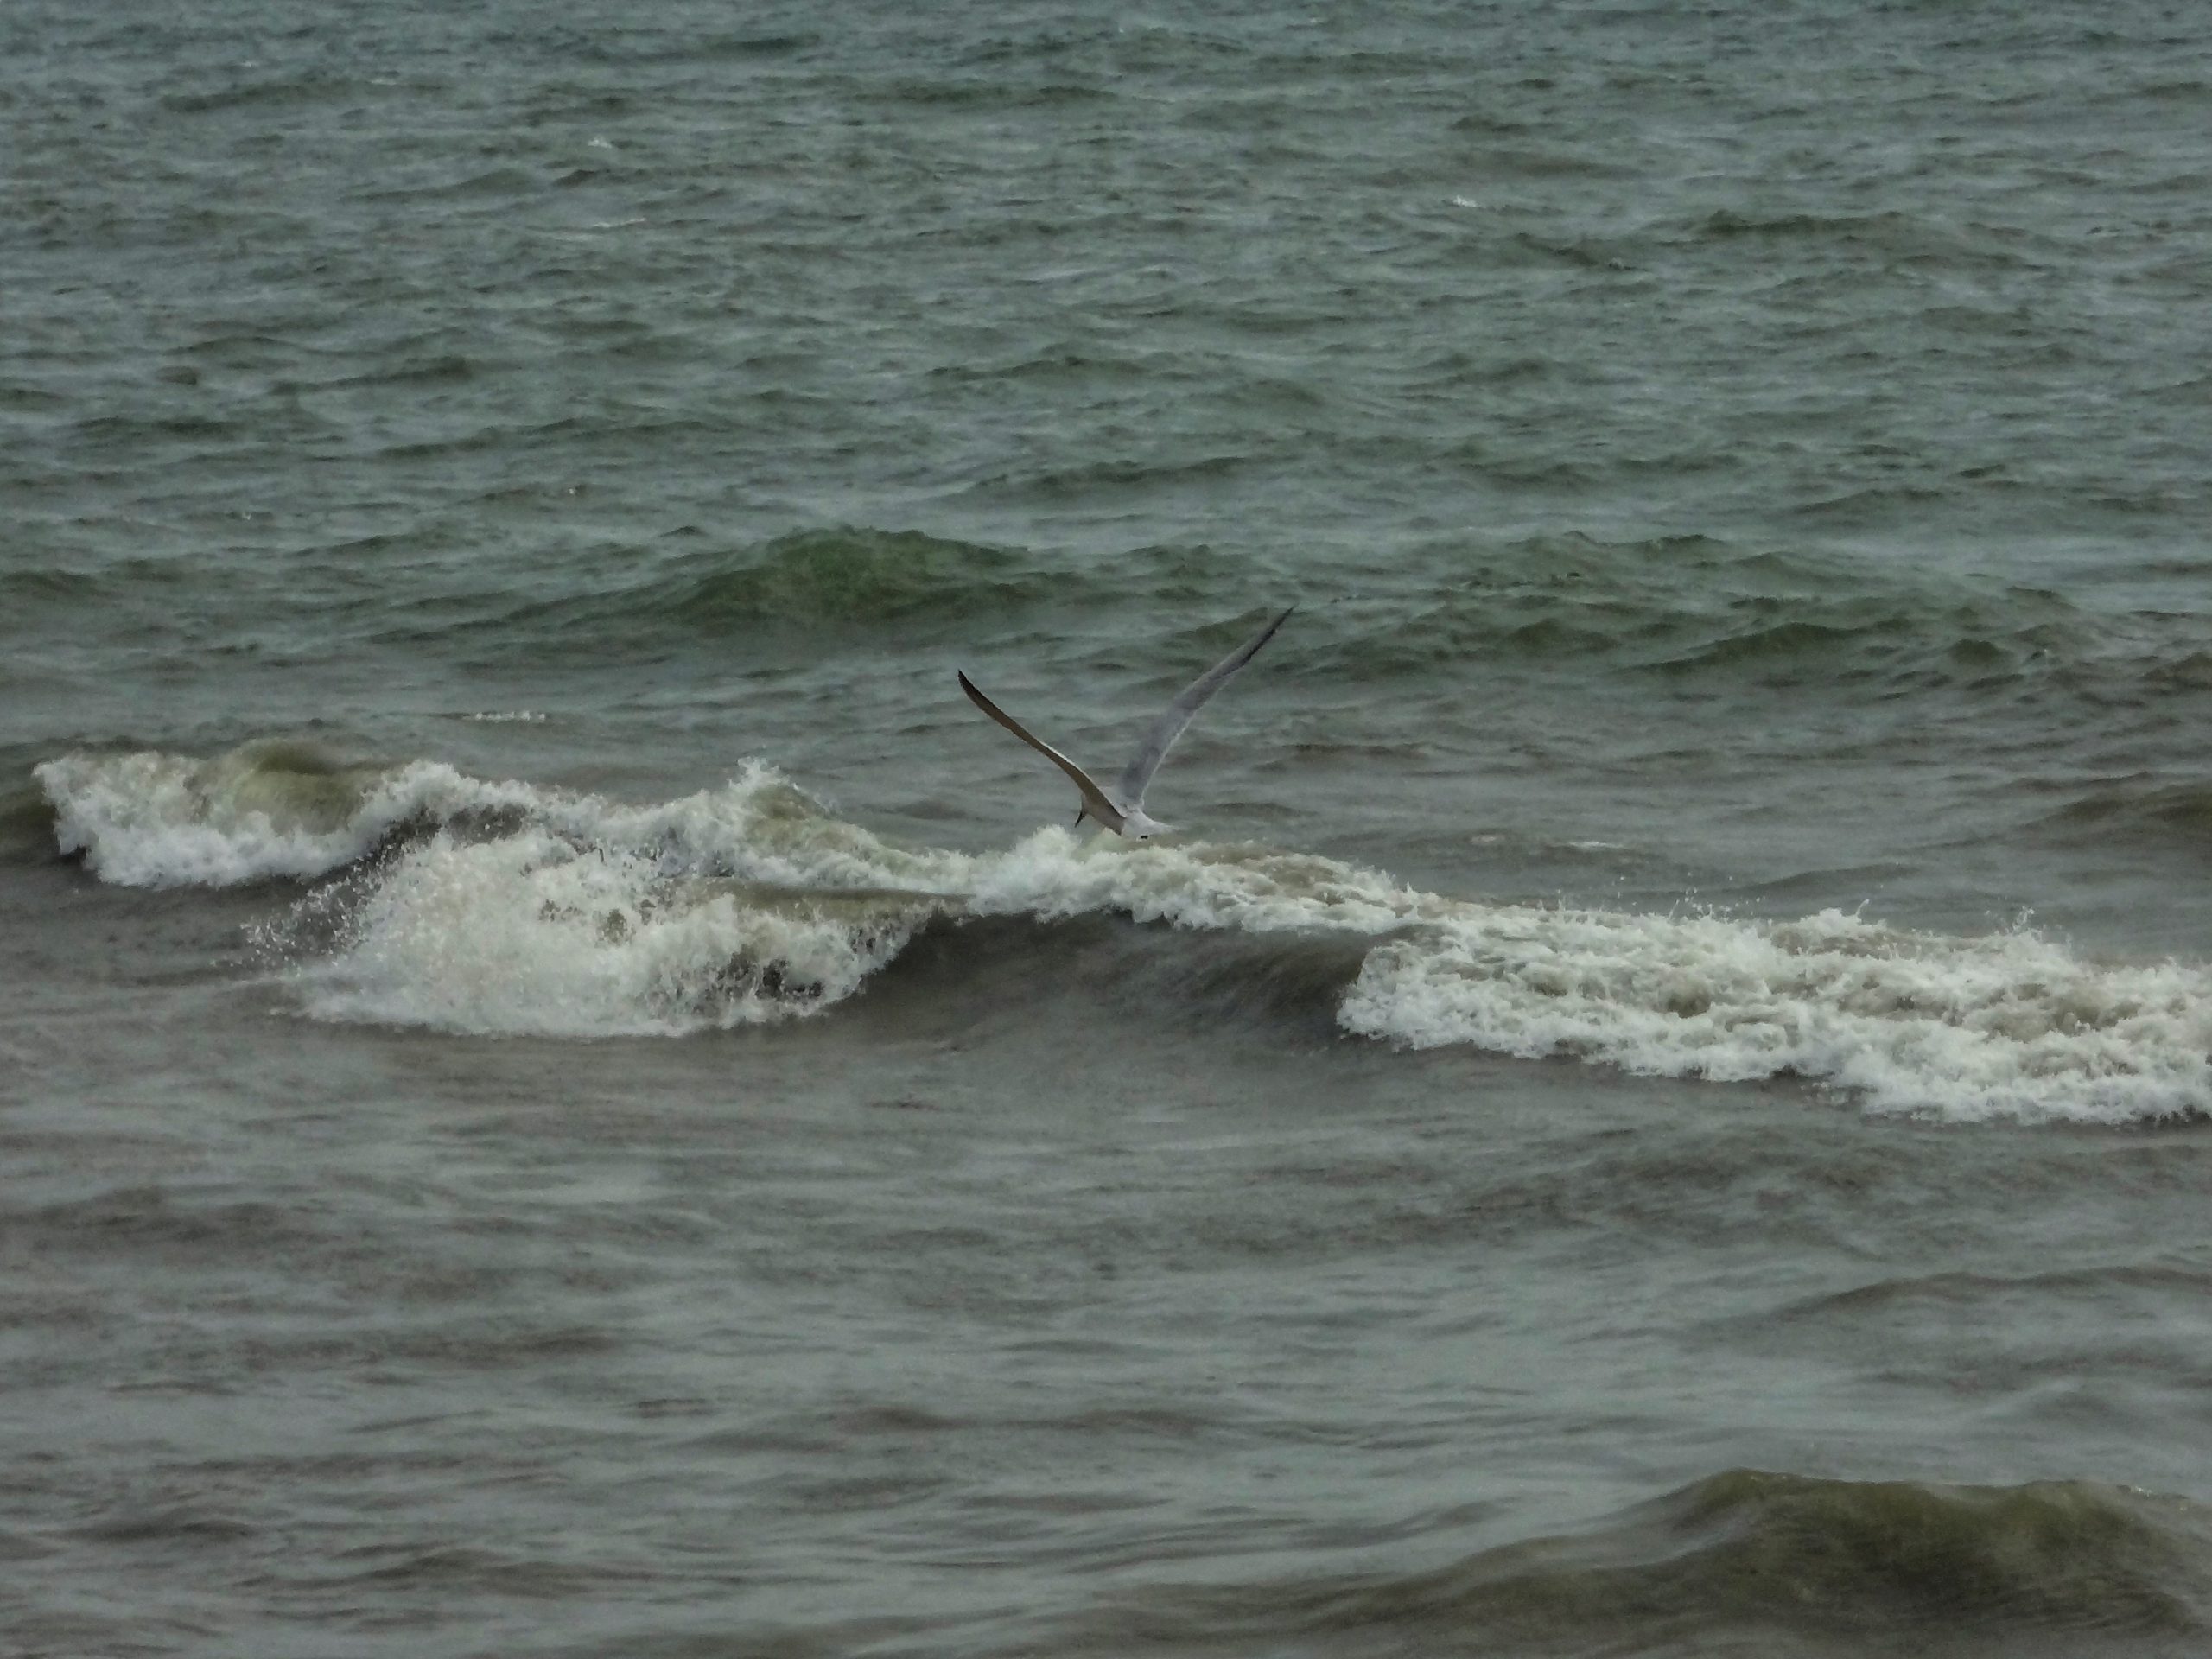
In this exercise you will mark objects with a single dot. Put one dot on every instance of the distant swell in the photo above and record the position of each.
(1696, 610)
(1747, 1555)
(2139, 806)
(438, 899)
(827, 579)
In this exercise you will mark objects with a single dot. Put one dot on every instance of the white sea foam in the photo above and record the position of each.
(155, 820)
(591, 918)
(504, 907)
(2006, 1025)
(531, 933)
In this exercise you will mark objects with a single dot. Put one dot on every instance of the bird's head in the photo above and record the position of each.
(1137, 826)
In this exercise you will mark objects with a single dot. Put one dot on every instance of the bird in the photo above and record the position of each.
(1120, 808)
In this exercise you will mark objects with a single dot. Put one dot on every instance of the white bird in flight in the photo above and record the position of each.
(1120, 809)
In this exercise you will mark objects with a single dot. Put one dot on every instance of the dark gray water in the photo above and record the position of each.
(555, 1098)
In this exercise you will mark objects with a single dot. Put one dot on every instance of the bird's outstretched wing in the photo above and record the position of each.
(1094, 798)
(1169, 726)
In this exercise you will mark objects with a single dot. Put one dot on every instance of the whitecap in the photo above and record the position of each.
(491, 907)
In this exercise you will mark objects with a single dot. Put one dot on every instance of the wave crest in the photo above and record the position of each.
(533, 933)
(2004, 1025)
(265, 812)
(456, 902)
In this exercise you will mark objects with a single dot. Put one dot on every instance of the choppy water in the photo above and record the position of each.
(560, 1091)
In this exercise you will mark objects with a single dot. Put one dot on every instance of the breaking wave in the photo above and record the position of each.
(443, 900)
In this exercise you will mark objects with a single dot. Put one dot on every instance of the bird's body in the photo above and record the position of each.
(1121, 807)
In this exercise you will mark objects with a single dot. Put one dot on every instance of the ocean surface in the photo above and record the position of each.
(564, 1093)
